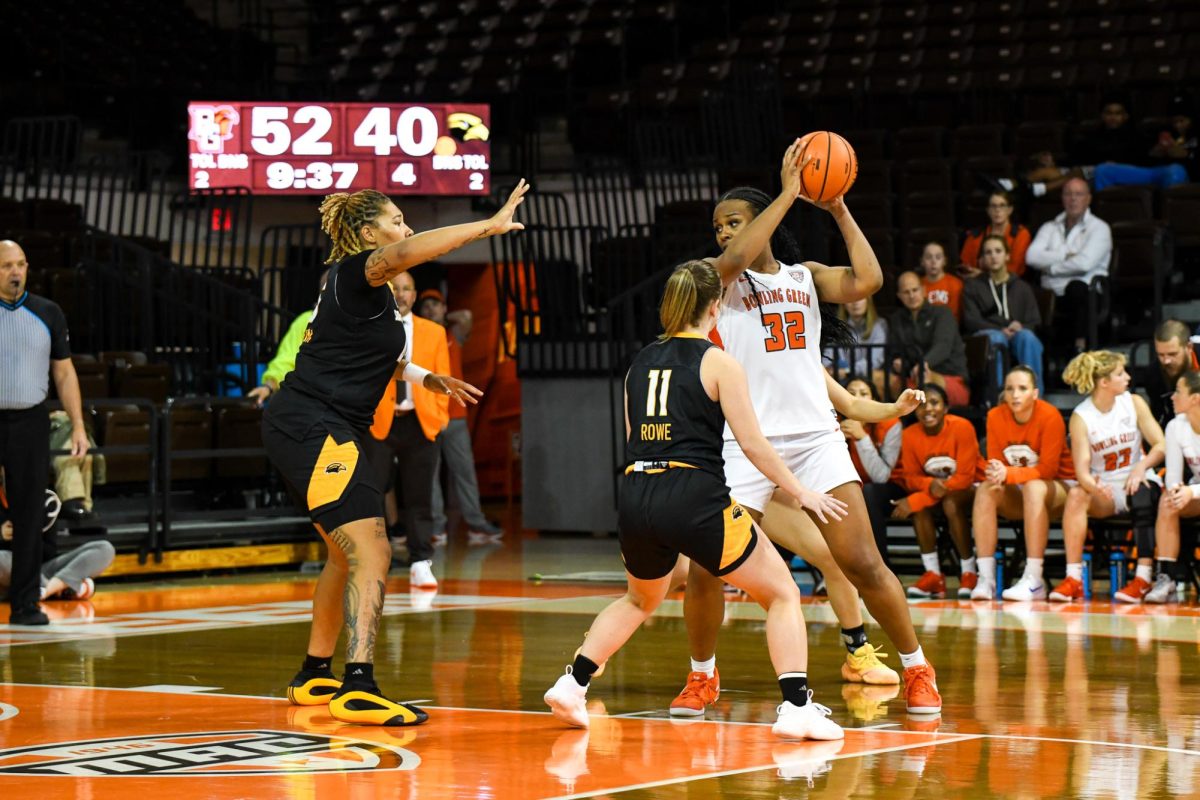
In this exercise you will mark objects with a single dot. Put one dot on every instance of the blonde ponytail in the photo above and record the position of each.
(1087, 369)
(343, 216)
(691, 289)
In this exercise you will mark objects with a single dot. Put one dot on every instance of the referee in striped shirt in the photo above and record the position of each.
(33, 346)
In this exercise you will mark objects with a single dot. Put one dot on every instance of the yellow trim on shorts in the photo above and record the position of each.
(670, 465)
(332, 472)
(739, 530)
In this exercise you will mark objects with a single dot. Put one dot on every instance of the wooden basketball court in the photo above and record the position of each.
(175, 689)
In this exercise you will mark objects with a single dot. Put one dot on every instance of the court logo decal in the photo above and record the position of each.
(207, 754)
(8, 712)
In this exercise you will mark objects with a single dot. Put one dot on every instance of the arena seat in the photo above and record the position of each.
(124, 427)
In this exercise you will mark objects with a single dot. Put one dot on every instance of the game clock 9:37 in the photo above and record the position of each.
(293, 148)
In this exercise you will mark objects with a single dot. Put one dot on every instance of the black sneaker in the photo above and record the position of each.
(28, 616)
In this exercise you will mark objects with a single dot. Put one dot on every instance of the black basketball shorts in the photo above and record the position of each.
(328, 471)
(686, 511)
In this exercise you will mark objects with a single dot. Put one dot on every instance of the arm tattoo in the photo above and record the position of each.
(377, 267)
(380, 529)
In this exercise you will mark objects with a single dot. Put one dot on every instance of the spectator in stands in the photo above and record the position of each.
(924, 345)
(870, 330)
(407, 424)
(1118, 152)
(285, 356)
(454, 443)
(1070, 250)
(63, 577)
(1044, 175)
(74, 476)
(1024, 478)
(34, 345)
(1173, 349)
(1178, 143)
(1180, 499)
(1003, 308)
(939, 463)
(874, 446)
(1115, 475)
(941, 288)
(1000, 223)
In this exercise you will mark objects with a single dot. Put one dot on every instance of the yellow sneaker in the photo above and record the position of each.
(368, 706)
(864, 666)
(312, 689)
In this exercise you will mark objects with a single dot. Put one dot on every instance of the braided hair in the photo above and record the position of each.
(835, 332)
(343, 216)
(1086, 370)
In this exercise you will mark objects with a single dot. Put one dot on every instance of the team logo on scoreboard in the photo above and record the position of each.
(207, 754)
(212, 126)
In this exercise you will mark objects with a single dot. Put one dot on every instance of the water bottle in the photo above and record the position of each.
(999, 574)
(1087, 576)
(1116, 572)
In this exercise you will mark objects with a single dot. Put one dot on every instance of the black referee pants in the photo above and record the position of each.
(417, 461)
(25, 457)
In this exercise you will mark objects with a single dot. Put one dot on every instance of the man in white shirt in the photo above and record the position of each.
(1069, 251)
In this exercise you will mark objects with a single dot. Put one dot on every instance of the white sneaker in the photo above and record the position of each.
(1163, 590)
(420, 575)
(985, 589)
(567, 699)
(809, 721)
(1025, 590)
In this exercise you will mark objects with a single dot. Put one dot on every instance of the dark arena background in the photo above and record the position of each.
(161, 168)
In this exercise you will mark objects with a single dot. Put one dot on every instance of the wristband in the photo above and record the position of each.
(414, 374)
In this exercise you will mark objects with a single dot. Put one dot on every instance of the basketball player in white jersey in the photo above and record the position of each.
(1114, 474)
(1180, 499)
(771, 323)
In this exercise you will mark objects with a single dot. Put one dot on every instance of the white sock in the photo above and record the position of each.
(707, 667)
(968, 564)
(913, 659)
(1033, 569)
(1075, 571)
(1145, 572)
(987, 567)
(930, 560)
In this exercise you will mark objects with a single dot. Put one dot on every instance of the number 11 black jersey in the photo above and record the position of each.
(671, 417)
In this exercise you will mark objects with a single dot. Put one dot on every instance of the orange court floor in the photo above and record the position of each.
(176, 688)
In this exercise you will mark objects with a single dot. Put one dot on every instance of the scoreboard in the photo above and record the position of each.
(318, 148)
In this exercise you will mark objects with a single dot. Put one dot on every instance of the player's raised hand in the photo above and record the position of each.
(502, 220)
(908, 401)
(789, 172)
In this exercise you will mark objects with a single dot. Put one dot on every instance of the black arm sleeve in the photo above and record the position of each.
(353, 293)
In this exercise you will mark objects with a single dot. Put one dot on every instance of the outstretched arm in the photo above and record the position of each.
(870, 410)
(388, 262)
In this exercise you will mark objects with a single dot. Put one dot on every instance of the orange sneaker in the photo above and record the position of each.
(1133, 592)
(700, 692)
(967, 583)
(920, 690)
(932, 584)
(1070, 589)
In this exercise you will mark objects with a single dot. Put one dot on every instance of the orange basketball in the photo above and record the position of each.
(833, 168)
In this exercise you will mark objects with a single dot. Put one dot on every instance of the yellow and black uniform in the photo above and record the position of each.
(674, 498)
(315, 425)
